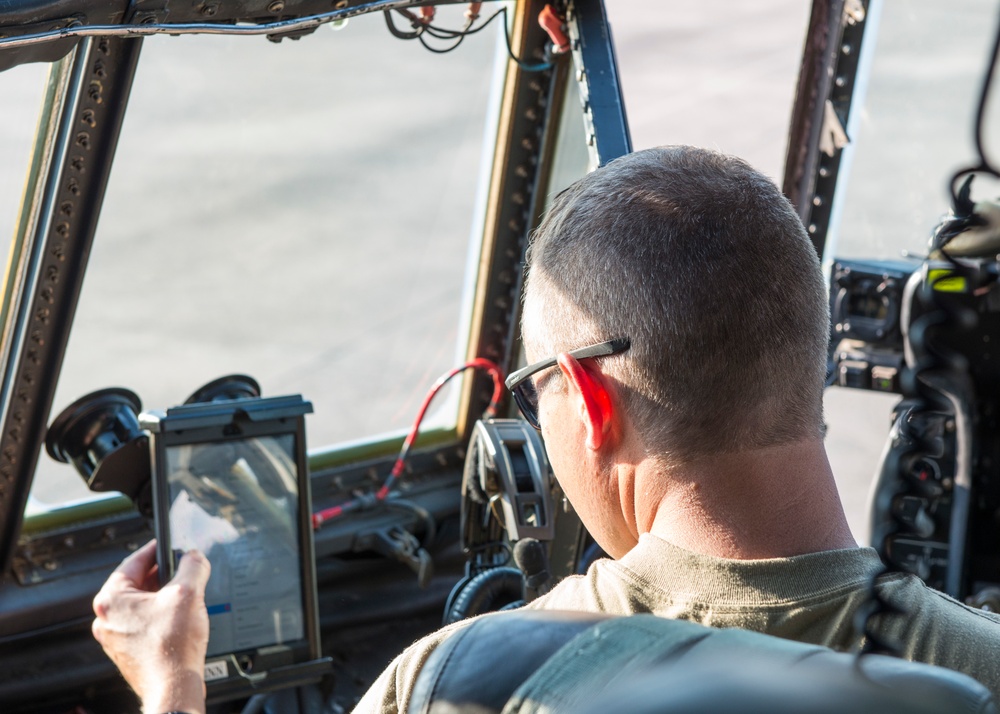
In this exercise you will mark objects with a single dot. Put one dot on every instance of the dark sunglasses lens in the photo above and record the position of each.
(527, 401)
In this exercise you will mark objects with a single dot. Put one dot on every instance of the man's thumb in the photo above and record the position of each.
(193, 570)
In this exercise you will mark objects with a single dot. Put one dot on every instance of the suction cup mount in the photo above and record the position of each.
(232, 386)
(100, 435)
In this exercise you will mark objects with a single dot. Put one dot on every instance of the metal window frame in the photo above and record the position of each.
(68, 177)
(828, 80)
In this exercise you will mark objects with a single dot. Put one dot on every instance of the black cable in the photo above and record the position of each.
(985, 165)
(396, 32)
(443, 33)
(510, 53)
(440, 50)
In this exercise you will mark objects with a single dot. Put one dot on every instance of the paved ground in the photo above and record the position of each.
(205, 190)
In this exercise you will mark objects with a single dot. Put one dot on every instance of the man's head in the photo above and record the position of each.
(704, 266)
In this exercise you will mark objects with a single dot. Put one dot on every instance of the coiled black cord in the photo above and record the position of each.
(935, 381)
(985, 165)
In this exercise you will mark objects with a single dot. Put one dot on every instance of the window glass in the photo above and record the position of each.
(22, 88)
(713, 73)
(916, 125)
(571, 159)
(299, 212)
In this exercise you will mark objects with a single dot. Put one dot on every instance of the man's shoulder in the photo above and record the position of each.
(392, 690)
(919, 600)
(929, 626)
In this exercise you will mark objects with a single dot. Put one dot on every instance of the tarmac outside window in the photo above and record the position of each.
(299, 212)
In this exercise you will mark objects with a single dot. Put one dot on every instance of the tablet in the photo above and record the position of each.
(230, 478)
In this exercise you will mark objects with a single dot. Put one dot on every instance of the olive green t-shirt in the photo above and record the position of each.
(810, 598)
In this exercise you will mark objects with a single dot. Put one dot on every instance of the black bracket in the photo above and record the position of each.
(146, 12)
(401, 545)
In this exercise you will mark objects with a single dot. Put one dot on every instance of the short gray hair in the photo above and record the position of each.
(705, 266)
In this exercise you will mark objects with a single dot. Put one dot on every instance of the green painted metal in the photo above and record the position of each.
(344, 454)
(73, 514)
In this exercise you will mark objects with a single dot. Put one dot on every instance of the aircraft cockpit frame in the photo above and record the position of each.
(148, 255)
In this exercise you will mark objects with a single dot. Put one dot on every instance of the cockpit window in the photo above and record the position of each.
(21, 88)
(915, 127)
(299, 213)
(910, 129)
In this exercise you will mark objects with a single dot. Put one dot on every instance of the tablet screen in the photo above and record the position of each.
(237, 501)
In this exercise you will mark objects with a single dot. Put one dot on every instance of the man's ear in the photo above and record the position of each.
(595, 399)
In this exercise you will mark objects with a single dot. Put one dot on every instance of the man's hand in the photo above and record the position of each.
(157, 636)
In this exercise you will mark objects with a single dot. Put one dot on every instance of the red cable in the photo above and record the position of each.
(320, 517)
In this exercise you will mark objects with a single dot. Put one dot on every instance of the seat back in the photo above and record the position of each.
(528, 662)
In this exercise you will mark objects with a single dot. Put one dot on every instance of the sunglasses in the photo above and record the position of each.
(523, 388)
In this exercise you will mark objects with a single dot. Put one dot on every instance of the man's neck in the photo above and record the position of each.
(768, 503)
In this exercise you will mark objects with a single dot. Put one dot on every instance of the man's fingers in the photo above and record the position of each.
(101, 604)
(132, 574)
(193, 571)
(152, 582)
(97, 628)
(137, 566)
